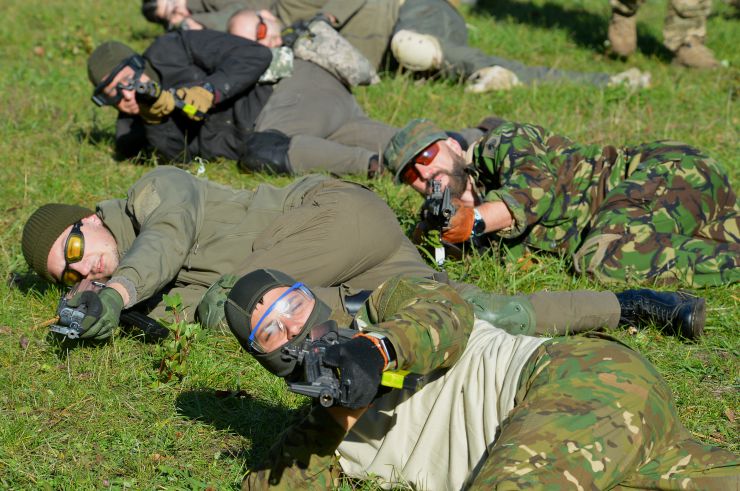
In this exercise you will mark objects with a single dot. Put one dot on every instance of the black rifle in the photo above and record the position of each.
(322, 382)
(438, 209)
(70, 318)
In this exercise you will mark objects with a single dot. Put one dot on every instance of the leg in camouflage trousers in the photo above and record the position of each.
(675, 219)
(593, 414)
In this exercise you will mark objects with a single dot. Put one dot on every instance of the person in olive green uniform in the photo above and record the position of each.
(498, 412)
(661, 212)
(179, 234)
(422, 35)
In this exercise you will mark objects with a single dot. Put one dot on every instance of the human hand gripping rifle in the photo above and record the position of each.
(322, 382)
(68, 321)
(148, 92)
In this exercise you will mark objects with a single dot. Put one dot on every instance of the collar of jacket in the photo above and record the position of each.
(114, 216)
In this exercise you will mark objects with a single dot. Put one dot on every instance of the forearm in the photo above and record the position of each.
(427, 322)
(496, 216)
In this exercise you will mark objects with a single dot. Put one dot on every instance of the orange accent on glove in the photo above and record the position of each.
(461, 226)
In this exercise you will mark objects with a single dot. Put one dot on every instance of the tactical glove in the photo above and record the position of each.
(210, 309)
(198, 97)
(461, 225)
(360, 365)
(103, 312)
(159, 110)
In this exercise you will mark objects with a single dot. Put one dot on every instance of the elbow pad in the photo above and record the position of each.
(266, 151)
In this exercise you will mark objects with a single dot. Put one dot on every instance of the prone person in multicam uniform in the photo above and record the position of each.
(500, 411)
(661, 212)
(178, 234)
(684, 30)
(428, 36)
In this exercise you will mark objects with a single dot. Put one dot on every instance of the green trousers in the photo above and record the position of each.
(594, 414)
(328, 129)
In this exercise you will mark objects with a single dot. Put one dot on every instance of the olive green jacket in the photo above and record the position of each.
(215, 14)
(175, 230)
(366, 24)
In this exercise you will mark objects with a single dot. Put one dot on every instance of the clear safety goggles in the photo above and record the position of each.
(101, 97)
(288, 314)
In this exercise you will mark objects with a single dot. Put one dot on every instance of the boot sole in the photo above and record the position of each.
(698, 317)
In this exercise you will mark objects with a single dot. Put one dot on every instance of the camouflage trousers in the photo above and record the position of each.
(675, 219)
(684, 19)
(593, 414)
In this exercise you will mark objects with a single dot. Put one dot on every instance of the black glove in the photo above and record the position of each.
(103, 312)
(360, 365)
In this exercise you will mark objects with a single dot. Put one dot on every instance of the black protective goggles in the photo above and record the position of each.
(99, 97)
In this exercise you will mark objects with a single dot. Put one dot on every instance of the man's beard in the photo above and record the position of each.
(458, 177)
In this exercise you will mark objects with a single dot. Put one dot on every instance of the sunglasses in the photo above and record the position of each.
(409, 174)
(74, 250)
(261, 28)
(101, 98)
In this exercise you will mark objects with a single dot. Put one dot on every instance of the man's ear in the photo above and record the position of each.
(454, 145)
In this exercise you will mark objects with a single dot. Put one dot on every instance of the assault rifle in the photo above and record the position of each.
(438, 209)
(436, 213)
(322, 382)
(69, 319)
(148, 92)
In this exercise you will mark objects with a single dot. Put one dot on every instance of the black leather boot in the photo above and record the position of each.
(678, 313)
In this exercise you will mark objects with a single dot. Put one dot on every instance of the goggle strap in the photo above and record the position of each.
(296, 286)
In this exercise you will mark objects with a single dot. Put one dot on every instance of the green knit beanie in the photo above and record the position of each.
(105, 58)
(44, 227)
(409, 142)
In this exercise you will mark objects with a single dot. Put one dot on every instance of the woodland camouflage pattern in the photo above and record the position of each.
(609, 408)
(660, 212)
(684, 19)
(593, 414)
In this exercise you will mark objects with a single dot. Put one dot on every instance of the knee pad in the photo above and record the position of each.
(417, 52)
(266, 151)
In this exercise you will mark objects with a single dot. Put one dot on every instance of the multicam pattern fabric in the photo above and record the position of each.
(281, 65)
(672, 207)
(303, 457)
(685, 19)
(427, 322)
(593, 414)
(328, 49)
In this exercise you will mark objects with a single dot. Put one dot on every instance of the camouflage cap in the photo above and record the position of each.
(409, 142)
(43, 227)
(105, 58)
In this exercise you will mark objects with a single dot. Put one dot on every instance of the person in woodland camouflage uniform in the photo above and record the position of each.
(661, 212)
(684, 30)
(499, 412)
(428, 36)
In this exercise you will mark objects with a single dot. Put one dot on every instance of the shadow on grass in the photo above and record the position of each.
(587, 29)
(254, 419)
(28, 282)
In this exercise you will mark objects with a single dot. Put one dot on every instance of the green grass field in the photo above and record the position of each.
(95, 417)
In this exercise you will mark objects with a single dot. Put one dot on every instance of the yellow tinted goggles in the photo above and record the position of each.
(74, 250)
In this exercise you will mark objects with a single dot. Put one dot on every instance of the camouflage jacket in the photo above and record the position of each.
(551, 185)
(428, 324)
